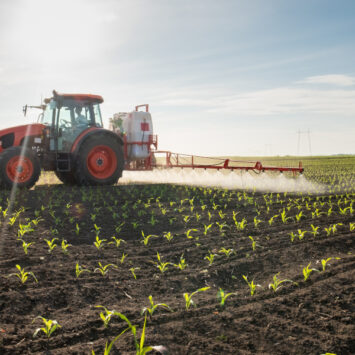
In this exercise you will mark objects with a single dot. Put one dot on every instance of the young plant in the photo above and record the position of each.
(23, 275)
(25, 245)
(132, 270)
(307, 272)
(188, 298)
(99, 243)
(314, 230)
(79, 270)
(160, 265)
(299, 216)
(188, 233)
(168, 236)
(206, 228)
(226, 252)
(271, 220)
(253, 243)
(145, 240)
(182, 263)
(65, 245)
(103, 269)
(150, 310)
(106, 317)
(210, 258)
(49, 326)
(325, 261)
(117, 241)
(251, 284)
(51, 244)
(222, 296)
(123, 257)
(276, 284)
(77, 229)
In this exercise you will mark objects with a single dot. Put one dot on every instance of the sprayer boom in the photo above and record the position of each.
(175, 160)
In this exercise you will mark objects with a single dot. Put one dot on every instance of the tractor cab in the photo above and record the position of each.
(69, 115)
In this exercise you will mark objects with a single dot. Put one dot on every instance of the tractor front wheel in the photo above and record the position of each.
(20, 166)
(99, 161)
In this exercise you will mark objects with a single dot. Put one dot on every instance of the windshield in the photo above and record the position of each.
(46, 117)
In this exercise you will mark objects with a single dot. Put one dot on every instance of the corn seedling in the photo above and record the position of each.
(49, 327)
(182, 263)
(251, 284)
(77, 229)
(160, 265)
(352, 226)
(168, 236)
(257, 222)
(271, 220)
(325, 261)
(106, 316)
(299, 216)
(123, 257)
(226, 252)
(150, 310)
(206, 228)
(301, 234)
(133, 271)
(97, 229)
(240, 225)
(276, 284)
(23, 275)
(65, 245)
(51, 244)
(79, 270)
(210, 258)
(188, 298)
(307, 272)
(117, 241)
(188, 233)
(253, 243)
(284, 217)
(99, 243)
(103, 269)
(25, 245)
(145, 240)
(314, 230)
(222, 296)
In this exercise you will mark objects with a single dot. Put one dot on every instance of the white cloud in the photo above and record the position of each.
(331, 79)
(276, 101)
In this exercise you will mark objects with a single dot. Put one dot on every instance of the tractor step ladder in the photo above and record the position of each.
(63, 161)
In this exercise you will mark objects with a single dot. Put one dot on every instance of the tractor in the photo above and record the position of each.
(69, 139)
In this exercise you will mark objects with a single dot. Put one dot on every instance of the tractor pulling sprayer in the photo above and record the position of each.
(70, 140)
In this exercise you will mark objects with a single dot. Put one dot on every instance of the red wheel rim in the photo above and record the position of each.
(19, 169)
(101, 162)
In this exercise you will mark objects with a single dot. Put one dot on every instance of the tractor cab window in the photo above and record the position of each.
(47, 116)
(97, 115)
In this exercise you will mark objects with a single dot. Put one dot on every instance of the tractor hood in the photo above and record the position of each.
(14, 136)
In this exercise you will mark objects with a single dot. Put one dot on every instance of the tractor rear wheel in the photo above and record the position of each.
(66, 177)
(99, 161)
(20, 166)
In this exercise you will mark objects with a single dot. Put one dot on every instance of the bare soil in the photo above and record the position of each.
(311, 317)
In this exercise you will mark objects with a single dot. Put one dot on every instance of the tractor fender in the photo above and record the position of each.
(91, 132)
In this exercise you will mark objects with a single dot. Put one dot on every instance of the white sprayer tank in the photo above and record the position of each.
(138, 127)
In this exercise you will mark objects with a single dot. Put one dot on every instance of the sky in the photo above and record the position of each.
(226, 77)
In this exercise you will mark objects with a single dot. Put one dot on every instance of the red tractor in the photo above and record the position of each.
(69, 140)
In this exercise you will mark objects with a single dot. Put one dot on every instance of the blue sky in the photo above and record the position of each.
(221, 77)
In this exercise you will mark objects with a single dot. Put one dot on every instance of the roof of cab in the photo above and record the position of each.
(80, 97)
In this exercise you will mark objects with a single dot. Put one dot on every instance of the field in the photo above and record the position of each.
(273, 272)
